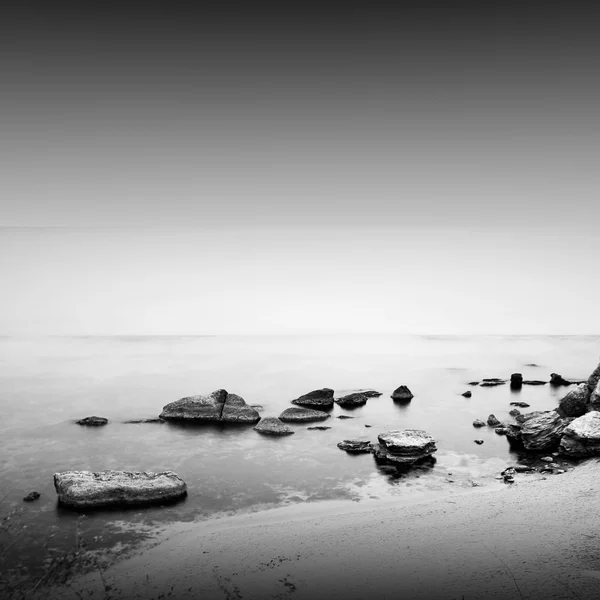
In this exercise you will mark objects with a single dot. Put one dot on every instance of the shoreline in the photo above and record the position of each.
(535, 538)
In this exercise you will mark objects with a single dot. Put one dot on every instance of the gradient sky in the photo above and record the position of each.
(423, 168)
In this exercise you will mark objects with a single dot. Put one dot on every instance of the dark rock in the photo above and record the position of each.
(473, 382)
(357, 399)
(235, 410)
(492, 421)
(558, 380)
(344, 417)
(524, 469)
(575, 403)
(501, 430)
(513, 432)
(137, 421)
(84, 489)
(31, 497)
(92, 421)
(520, 404)
(508, 471)
(581, 437)
(593, 380)
(491, 383)
(368, 425)
(515, 412)
(405, 447)
(303, 415)
(516, 381)
(594, 402)
(402, 393)
(467, 394)
(273, 426)
(532, 365)
(493, 380)
(542, 430)
(534, 382)
(509, 479)
(319, 399)
(196, 408)
(370, 393)
(478, 423)
(355, 446)
(478, 442)
(319, 428)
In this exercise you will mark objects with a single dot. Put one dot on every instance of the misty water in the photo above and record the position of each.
(48, 383)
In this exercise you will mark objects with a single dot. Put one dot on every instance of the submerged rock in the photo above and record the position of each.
(467, 394)
(402, 393)
(217, 406)
(575, 403)
(92, 421)
(355, 446)
(322, 398)
(85, 489)
(31, 497)
(138, 421)
(344, 417)
(582, 436)
(356, 399)
(303, 415)
(473, 382)
(273, 426)
(520, 404)
(371, 393)
(491, 383)
(404, 447)
(542, 430)
(534, 382)
(594, 403)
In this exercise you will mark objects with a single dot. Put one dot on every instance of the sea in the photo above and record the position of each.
(47, 383)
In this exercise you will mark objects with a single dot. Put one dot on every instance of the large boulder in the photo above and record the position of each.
(196, 408)
(273, 426)
(575, 403)
(402, 393)
(582, 436)
(302, 415)
(235, 410)
(404, 447)
(318, 399)
(84, 489)
(357, 399)
(542, 430)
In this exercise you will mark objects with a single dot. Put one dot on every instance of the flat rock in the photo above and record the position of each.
(582, 436)
(273, 426)
(92, 421)
(318, 428)
(485, 383)
(405, 446)
(138, 421)
(196, 408)
(322, 398)
(594, 402)
(355, 446)
(344, 417)
(543, 430)
(402, 393)
(467, 394)
(85, 489)
(575, 403)
(356, 399)
(303, 415)
(371, 393)
(473, 383)
(534, 382)
(520, 404)
(235, 410)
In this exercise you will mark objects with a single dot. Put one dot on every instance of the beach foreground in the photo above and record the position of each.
(537, 538)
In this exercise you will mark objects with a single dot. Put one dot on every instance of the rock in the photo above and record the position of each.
(303, 415)
(575, 403)
(319, 399)
(235, 410)
(257, 407)
(404, 447)
(508, 471)
(196, 408)
(355, 446)
(509, 479)
(557, 380)
(491, 383)
(542, 430)
(594, 379)
(273, 426)
(478, 442)
(493, 380)
(92, 421)
(520, 404)
(137, 421)
(344, 417)
(368, 425)
(515, 412)
(84, 489)
(31, 497)
(547, 459)
(520, 418)
(524, 469)
(511, 431)
(594, 402)
(534, 382)
(492, 421)
(531, 365)
(473, 382)
(516, 381)
(467, 394)
(402, 393)
(582, 436)
(478, 423)
(501, 430)
(371, 393)
(357, 399)
(318, 428)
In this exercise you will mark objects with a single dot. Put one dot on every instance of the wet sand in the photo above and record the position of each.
(533, 539)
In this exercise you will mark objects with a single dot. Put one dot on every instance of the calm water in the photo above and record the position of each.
(47, 383)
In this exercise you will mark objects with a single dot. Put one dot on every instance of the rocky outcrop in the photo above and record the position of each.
(558, 380)
(92, 421)
(355, 446)
(217, 406)
(319, 399)
(582, 436)
(84, 489)
(303, 415)
(351, 400)
(402, 393)
(516, 381)
(273, 426)
(404, 448)
(575, 403)
(542, 430)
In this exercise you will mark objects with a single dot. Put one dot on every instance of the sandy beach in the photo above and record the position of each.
(536, 538)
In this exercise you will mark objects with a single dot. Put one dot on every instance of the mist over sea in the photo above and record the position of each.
(46, 383)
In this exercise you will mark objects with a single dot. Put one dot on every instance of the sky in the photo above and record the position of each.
(192, 169)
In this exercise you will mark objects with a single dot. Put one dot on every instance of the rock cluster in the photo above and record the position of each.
(404, 448)
(220, 405)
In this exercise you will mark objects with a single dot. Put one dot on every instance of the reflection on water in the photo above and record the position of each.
(48, 383)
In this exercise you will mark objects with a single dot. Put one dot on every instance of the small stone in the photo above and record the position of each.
(508, 471)
(509, 479)
(467, 394)
(473, 382)
(368, 425)
(560, 471)
(344, 417)
(492, 421)
(478, 442)
(31, 497)
(520, 404)
(318, 428)
(92, 421)
(478, 423)
(501, 430)
(515, 412)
